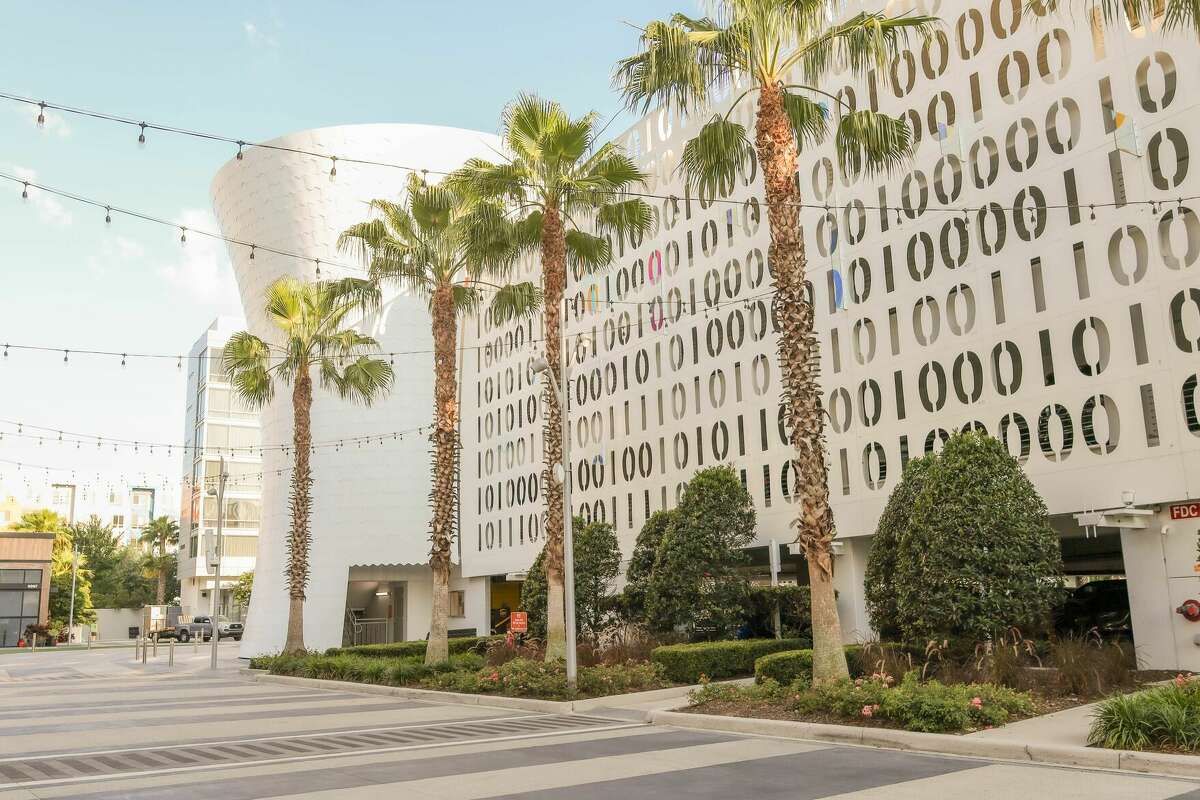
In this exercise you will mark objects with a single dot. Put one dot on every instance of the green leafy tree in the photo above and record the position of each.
(978, 555)
(310, 321)
(696, 583)
(558, 180)
(42, 520)
(880, 577)
(242, 589)
(60, 589)
(783, 52)
(641, 563)
(159, 537)
(597, 562)
(438, 245)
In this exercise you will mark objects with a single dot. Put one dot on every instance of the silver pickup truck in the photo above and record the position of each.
(200, 627)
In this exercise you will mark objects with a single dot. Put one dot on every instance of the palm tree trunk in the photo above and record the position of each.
(160, 593)
(300, 535)
(554, 281)
(799, 362)
(443, 493)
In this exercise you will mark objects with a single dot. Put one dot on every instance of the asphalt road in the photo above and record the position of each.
(100, 725)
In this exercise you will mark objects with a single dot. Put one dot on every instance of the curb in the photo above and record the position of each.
(939, 743)
(493, 700)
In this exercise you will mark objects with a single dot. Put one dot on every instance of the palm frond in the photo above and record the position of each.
(866, 41)
(481, 179)
(625, 218)
(808, 118)
(466, 298)
(515, 301)
(254, 385)
(525, 122)
(362, 238)
(868, 142)
(713, 158)
(365, 380)
(667, 70)
(1177, 15)
(586, 252)
(353, 292)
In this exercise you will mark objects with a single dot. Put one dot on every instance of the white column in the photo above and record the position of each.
(1150, 607)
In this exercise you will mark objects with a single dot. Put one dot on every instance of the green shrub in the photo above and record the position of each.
(978, 556)
(696, 582)
(880, 578)
(1165, 717)
(472, 644)
(795, 611)
(641, 563)
(597, 562)
(686, 663)
(784, 667)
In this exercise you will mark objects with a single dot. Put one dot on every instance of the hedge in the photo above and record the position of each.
(685, 663)
(467, 644)
(784, 667)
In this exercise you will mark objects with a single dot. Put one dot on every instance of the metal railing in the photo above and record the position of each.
(369, 630)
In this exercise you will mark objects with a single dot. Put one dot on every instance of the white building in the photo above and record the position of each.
(371, 517)
(975, 288)
(1070, 335)
(124, 501)
(218, 426)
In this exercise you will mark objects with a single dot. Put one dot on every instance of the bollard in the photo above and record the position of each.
(34, 646)
(195, 644)
(135, 649)
(155, 640)
(171, 653)
(145, 647)
(89, 638)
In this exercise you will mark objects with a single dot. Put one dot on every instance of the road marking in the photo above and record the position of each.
(313, 757)
(219, 742)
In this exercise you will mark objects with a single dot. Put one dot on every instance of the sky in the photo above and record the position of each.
(248, 70)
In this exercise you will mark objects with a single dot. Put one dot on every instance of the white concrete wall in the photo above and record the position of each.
(370, 502)
(113, 624)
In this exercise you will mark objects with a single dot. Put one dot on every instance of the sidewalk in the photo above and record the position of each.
(1066, 728)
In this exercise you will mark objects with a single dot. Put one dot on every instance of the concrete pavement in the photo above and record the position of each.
(100, 726)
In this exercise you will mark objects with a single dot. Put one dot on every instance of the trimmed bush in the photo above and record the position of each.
(597, 562)
(468, 644)
(880, 577)
(978, 556)
(685, 663)
(795, 611)
(785, 667)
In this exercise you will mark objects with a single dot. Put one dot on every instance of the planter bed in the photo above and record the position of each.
(468, 674)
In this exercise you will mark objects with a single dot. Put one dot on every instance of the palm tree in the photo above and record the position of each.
(42, 520)
(438, 246)
(763, 44)
(309, 318)
(156, 536)
(557, 180)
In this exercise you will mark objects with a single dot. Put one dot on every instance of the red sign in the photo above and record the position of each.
(520, 622)
(1185, 511)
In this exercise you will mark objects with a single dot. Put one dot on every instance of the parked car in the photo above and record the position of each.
(1101, 605)
(201, 627)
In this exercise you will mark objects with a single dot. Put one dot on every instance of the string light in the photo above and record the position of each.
(41, 117)
(142, 135)
(239, 152)
(25, 191)
(108, 214)
(333, 168)
(183, 235)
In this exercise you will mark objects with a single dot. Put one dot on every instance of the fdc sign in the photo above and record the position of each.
(1185, 510)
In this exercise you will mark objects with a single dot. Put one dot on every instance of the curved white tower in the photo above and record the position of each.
(370, 505)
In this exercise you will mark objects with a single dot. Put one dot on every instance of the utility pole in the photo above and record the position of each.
(216, 563)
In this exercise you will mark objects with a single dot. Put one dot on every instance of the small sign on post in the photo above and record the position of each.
(520, 622)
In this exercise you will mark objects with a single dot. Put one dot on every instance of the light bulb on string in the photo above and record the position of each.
(251, 252)
(239, 152)
(142, 135)
(179, 363)
(41, 117)
(183, 235)
(1093, 209)
(25, 191)
(333, 169)
(122, 359)
(108, 214)
(318, 263)
(65, 354)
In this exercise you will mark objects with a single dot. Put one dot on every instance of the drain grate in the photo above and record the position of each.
(70, 767)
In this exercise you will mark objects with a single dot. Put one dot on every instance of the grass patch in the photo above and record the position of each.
(1164, 718)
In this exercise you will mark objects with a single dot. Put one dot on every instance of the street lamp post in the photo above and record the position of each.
(74, 571)
(542, 367)
(215, 628)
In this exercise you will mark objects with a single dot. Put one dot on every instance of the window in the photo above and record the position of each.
(458, 604)
(216, 369)
(238, 513)
(118, 521)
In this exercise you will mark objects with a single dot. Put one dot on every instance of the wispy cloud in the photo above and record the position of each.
(49, 209)
(202, 272)
(115, 253)
(55, 123)
(257, 37)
